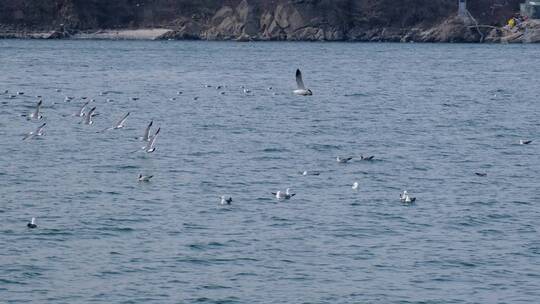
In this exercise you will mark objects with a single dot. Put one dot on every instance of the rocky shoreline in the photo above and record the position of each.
(258, 20)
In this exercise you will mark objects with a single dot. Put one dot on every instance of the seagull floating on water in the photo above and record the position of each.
(20, 93)
(284, 195)
(310, 173)
(37, 132)
(355, 186)
(145, 178)
(362, 157)
(525, 142)
(32, 223)
(119, 125)
(406, 198)
(301, 90)
(480, 174)
(226, 200)
(343, 160)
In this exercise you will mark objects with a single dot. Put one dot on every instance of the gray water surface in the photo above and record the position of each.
(432, 114)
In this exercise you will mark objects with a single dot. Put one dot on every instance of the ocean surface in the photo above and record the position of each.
(433, 115)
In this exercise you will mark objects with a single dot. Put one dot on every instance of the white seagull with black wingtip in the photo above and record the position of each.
(145, 178)
(88, 117)
(36, 114)
(284, 195)
(146, 135)
(81, 111)
(119, 125)
(301, 90)
(226, 200)
(406, 198)
(151, 144)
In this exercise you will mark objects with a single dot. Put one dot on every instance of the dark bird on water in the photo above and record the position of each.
(32, 223)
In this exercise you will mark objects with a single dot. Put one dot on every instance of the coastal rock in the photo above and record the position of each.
(247, 20)
(531, 32)
(451, 30)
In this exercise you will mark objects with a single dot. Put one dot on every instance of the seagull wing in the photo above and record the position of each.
(121, 121)
(147, 131)
(40, 129)
(89, 115)
(152, 142)
(81, 111)
(299, 80)
(38, 106)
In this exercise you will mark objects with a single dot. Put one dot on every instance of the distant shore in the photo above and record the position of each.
(529, 33)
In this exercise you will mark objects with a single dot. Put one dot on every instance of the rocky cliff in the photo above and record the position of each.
(334, 20)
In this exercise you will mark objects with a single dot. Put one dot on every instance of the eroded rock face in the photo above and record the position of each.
(244, 20)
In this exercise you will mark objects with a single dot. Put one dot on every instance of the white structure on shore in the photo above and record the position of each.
(462, 9)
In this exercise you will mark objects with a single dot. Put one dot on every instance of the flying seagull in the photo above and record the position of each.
(81, 111)
(88, 117)
(146, 135)
(301, 90)
(118, 125)
(36, 114)
(37, 132)
(151, 144)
